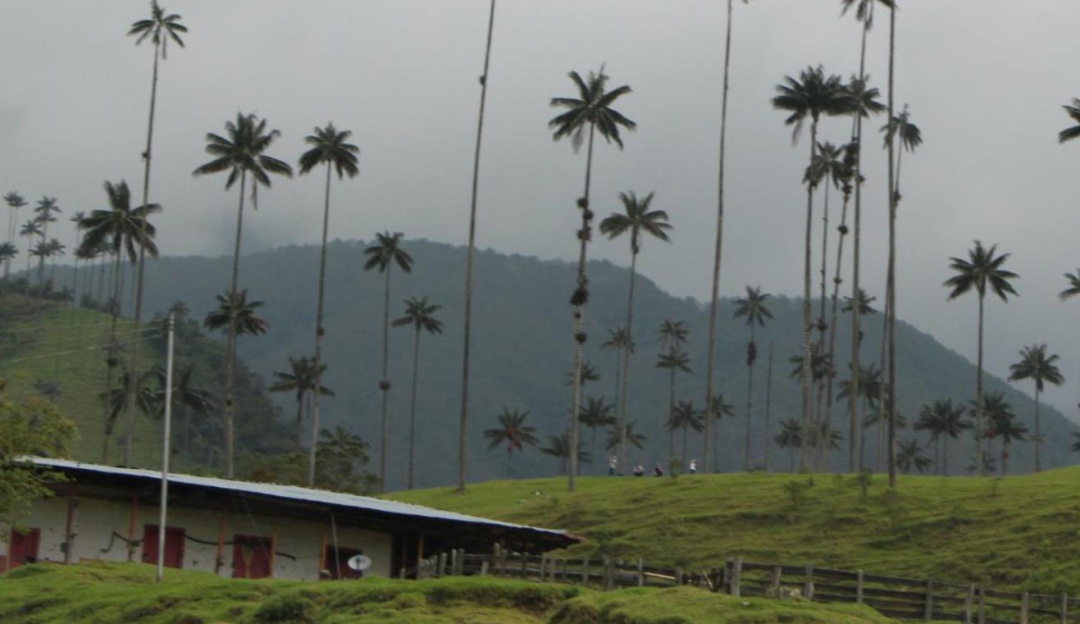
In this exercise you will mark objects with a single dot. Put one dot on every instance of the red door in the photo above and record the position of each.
(23, 547)
(251, 556)
(174, 546)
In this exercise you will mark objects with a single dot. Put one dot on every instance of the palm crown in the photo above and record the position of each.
(420, 314)
(387, 251)
(329, 146)
(242, 152)
(752, 306)
(637, 219)
(120, 227)
(1074, 285)
(909, 134)
(234, 309)
(1036, 365)
(160, 28)
(1071, 132)
(982, 268)
(814, 94)
(591, 109)
(864, 9)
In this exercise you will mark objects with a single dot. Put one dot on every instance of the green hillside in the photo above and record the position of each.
(127, 593)
(522, 352)
(1015, 532)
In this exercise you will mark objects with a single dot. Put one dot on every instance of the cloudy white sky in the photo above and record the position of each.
(985, 80)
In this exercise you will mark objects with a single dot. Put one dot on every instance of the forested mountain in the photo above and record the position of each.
(522, 355)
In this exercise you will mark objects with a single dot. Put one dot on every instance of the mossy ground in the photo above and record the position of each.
(1016, 532)
(114, 593)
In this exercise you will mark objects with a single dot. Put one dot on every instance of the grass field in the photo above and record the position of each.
(123, 593)
(1017, 532)
(71, 354)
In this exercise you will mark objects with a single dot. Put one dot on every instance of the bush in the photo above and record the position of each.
(284, 609)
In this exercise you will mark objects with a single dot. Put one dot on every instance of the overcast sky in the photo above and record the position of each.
(985, 80)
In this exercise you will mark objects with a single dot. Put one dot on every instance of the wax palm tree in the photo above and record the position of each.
(910, 138)
(587, 374)
(301, 378)
(1070, 133)
(1073, 278)
(618, 339)
(1003, 425)
(685, 417)
(714, 302)
(31, 229)
(14, 201)
(753, 308)
(77, 219)
(43, 211)
(674, 361)
(55, 249)
(596, 414)
(982, 269)
(186, 394)
(790, 437)
(7, 252)
(814, 94)
(721, 409)
(637, 220)
(420, 314)
(159, 28)
(242, 153)
(470, 257)
(943, 420)
(591, 110)
(383, 255)
(909, 455)
(513, 432)
(559, 447)
(673, 334)
(143, 388)
(617, 434)
(1039, 367)
(329, 146)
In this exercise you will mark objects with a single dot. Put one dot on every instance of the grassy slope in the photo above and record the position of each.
(108, 593)
(66, 353)
(1012, 532)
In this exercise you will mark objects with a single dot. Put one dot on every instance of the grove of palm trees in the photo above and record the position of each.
(848, 183)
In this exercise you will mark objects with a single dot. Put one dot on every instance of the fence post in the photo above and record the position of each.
(453, 562)
(484, 567)
(585, 576)
(543, 566)
(774, 581)
(982, 606)
(736, 578)
(678, 576)
(1064, 608)
(808, 585)
(859, 587)
(609, 580)
(441, 565)
(725, 583)
(969, 600)
(641, 573)
(524, 565)
(928, 606)
(1024, 607)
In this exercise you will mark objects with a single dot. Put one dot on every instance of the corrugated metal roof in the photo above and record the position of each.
(295, 493)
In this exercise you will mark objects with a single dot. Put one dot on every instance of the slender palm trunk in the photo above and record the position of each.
(319, 331)
(804, 373)
(111, 362)
(768, 407)
(980, 469)
(230, 352)
(624, 411)
(833, 320)
(854, 405)
(412, 410)
(1004, 458)
(470, 256)
(671, 416)
(892, 261)
(685, 437)
(715, 300)
(384, 385)
(883, 390)
(41, 258)
(129, 399)
(579, 321)
(1038, 434)
(749, 400)
(820, 415)
(945, 457)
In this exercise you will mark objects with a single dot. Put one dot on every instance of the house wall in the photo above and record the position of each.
(298, 543)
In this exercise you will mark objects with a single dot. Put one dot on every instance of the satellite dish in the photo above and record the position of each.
(359, 563)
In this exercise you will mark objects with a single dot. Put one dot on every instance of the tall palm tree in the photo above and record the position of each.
(685, 417)
(864, 14)
(890, 280)
(981, 269)
(1002, 424)
(766, 431)
(1039, 367)
(591, 111)
(618, 339)
(714, 302)
(617, 434)
(77, 219)
(241, 153)
(420, 314)
(159, 28)
(329, 146)
(55, 249)
(513, 432)
(1073, 278)
(674, 361)
(301, 378)
(791, 438)
(944, 420)
(470, 260)
(7, 252)
(721, 409)
(910, 455)
(637, 219)
(121, 229)
(814, 94)
(753, 308)
(596, 414)
(910, 137)
(14, 201)
(44, 210)
(30, 230)
(558, 446)
(383, 255)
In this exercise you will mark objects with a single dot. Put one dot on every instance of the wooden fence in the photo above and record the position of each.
(908, 599)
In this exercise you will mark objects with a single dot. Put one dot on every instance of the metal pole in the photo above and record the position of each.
(166, 443)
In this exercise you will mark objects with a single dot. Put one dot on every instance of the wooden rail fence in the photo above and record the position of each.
(908, 599)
